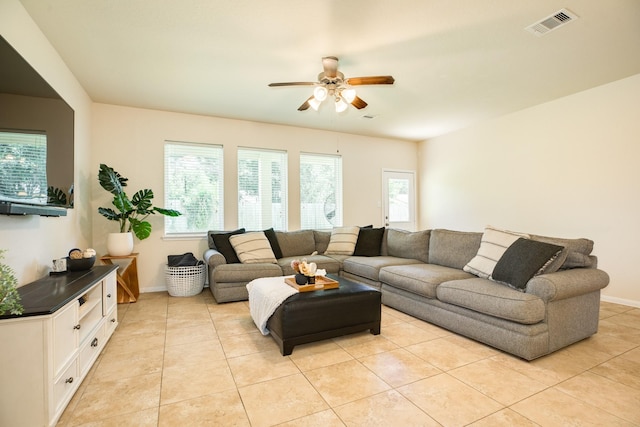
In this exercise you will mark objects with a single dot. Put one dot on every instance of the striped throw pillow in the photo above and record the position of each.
(253, 248)
(343, 241)
(494, 243)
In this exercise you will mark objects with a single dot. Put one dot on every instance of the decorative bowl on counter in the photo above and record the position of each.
(80, 264)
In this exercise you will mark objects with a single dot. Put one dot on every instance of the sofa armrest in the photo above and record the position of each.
(213, 258)
(567, 283)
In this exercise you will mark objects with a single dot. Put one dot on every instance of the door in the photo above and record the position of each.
(399, 196)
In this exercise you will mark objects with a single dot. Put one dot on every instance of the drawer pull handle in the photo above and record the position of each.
(113, 320)
(69, 380)
(77, 326)
(108, 295)
(94, 343)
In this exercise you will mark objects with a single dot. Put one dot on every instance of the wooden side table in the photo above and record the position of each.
(127, 276)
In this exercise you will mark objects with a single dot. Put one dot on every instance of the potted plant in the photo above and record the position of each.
(131, 214)
(9, 296)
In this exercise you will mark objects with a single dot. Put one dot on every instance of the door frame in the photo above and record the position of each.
(413, 222)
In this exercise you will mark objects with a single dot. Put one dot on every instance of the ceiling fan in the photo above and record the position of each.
(332, 82)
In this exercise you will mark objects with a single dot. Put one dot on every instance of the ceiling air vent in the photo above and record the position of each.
(550, 23)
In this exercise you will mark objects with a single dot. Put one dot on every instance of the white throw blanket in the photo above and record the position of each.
(265, 296)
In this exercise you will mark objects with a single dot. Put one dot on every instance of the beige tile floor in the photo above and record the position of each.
(190, 361)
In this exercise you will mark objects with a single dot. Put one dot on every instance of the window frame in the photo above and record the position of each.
(218, 150)
(338, 183)
(283, 155)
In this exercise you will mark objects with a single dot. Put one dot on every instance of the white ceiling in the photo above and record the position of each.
(456, 62)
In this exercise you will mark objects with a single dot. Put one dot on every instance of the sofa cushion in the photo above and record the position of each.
(494, 299)
(421, 279)
(522, 260)
(408, 244)
(369, 242)
(273, 241)
(226, 275)
(296, 243)
(369, 267)
(342, 241)
(494, 243)
(321, 238)
(219, 240)
(453, 248)
(252, 248)
(574, 255)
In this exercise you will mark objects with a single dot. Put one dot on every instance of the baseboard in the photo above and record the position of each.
(159, 289)
(622, 301)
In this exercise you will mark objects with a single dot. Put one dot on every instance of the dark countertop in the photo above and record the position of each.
(49, 294)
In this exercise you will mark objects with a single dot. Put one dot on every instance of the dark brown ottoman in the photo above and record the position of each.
(313, 316)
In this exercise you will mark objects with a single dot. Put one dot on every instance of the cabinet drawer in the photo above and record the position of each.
(65, 336)
(110, 292)
(111, 322)
(91, 349)
(64, 387)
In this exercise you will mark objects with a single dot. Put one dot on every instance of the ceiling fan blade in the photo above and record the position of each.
(292, 84)
(372, 80)
(330, 65)
(358, 103)
(305, 105)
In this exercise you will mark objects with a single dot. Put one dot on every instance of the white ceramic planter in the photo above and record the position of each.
(120, 244)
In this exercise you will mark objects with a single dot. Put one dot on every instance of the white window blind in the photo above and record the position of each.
(262, 189)
(320, 191)
(193, 185)
(23, 166)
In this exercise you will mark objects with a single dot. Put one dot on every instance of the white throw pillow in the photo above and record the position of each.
(252, 247)
(493, 245)
(343, 241)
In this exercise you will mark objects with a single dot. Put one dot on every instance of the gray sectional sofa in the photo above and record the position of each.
(429, 274)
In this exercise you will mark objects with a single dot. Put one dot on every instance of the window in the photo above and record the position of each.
(23, 166)
(320, 191)
(193, 185)
(262, 189)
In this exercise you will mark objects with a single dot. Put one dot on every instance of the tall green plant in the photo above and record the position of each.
(132, 213)
(9, 296)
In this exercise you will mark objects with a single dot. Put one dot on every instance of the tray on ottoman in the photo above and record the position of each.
(322, 282)
(313, 316)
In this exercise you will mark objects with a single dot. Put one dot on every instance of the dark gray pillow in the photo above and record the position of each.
(369, 241)
(522, 260)
(273, 241)
(221, 244)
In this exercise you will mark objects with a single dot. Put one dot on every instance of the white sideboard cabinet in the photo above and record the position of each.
(46, 352)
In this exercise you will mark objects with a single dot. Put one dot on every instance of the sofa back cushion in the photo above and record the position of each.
(322, 238)
(453, 248)
(408, 244)
(296, 243)
(574, 255)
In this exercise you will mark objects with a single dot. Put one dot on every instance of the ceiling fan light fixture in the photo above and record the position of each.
(314, 103)
(349, 94)
(320, 93)
(341, 105)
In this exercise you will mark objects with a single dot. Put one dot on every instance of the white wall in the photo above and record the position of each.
(32, 241)
(567, 168)
(131, 140)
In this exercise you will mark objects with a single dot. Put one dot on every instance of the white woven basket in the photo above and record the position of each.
(185, 281)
